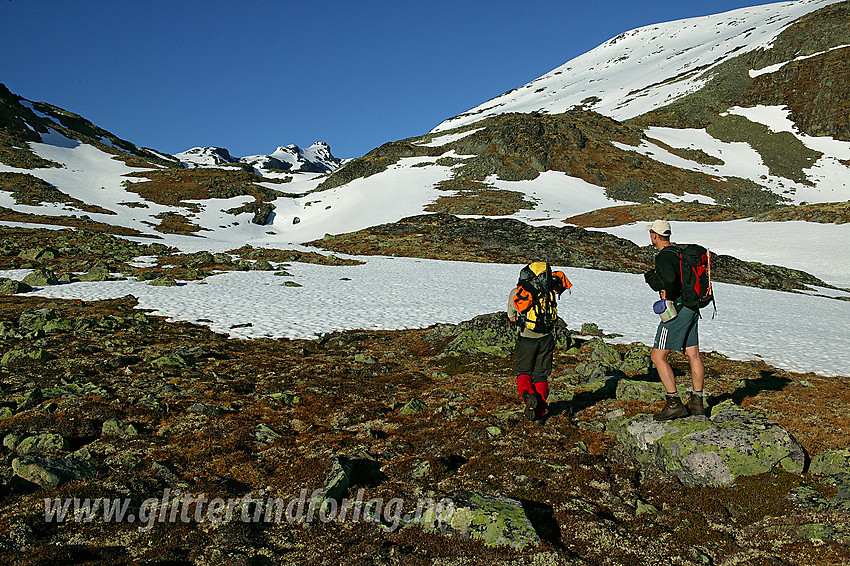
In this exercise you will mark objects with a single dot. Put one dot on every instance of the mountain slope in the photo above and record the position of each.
(23, 122)
(644, 69)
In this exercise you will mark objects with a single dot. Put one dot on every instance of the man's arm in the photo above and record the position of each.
(512, 312)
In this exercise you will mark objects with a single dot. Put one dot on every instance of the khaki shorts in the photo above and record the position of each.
(680, 333)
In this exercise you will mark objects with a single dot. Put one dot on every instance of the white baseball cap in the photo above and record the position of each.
(660, 227)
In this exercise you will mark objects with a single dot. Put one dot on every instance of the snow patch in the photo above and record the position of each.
(783, 333)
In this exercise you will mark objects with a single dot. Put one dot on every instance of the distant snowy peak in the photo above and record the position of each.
(646, 68)
(205, 157)
(320, 154)
(315, 159)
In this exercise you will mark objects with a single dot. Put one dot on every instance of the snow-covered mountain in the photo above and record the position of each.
(205, 157)
(650, 67)
(314, 159)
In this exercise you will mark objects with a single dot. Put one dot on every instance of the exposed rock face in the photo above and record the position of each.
(24, 121)
(733, 442)
(582, 144)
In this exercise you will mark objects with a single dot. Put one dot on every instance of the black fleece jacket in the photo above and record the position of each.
(666, 274)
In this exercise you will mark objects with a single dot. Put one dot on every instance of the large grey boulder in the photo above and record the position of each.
(734, 442)
(494, 520)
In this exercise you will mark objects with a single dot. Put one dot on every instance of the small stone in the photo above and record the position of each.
(163, 282)
(265, 434)
(645, 508)
(262, 265)
(422, 470)
(413, 407)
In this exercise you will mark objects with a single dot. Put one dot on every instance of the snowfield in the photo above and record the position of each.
(790, 331)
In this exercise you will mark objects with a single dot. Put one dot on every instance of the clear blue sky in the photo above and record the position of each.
(252, 75)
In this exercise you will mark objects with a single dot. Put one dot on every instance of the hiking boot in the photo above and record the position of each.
(530, 411)
(695, 405)
(673, 409)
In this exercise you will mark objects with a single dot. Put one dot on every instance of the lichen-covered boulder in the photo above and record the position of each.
(41, 278)
(734, 442)
(636, 360)
(13, 287)
(42, 444)
(262, 265)
(413, 407)
(201, 258)
(163, 282)
(32, 320)
(606, 355)
(629, 390)
(99, 272)
(489, 333)
(39, 254)
(496, 521)
(49, 472)
(588, 372)
(831, 463)
(336, 483)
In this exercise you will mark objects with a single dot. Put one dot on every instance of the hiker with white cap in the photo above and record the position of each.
(679, 328)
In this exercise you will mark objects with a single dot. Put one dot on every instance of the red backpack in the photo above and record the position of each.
(695, 271)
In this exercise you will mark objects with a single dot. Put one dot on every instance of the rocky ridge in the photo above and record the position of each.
(443, 236)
